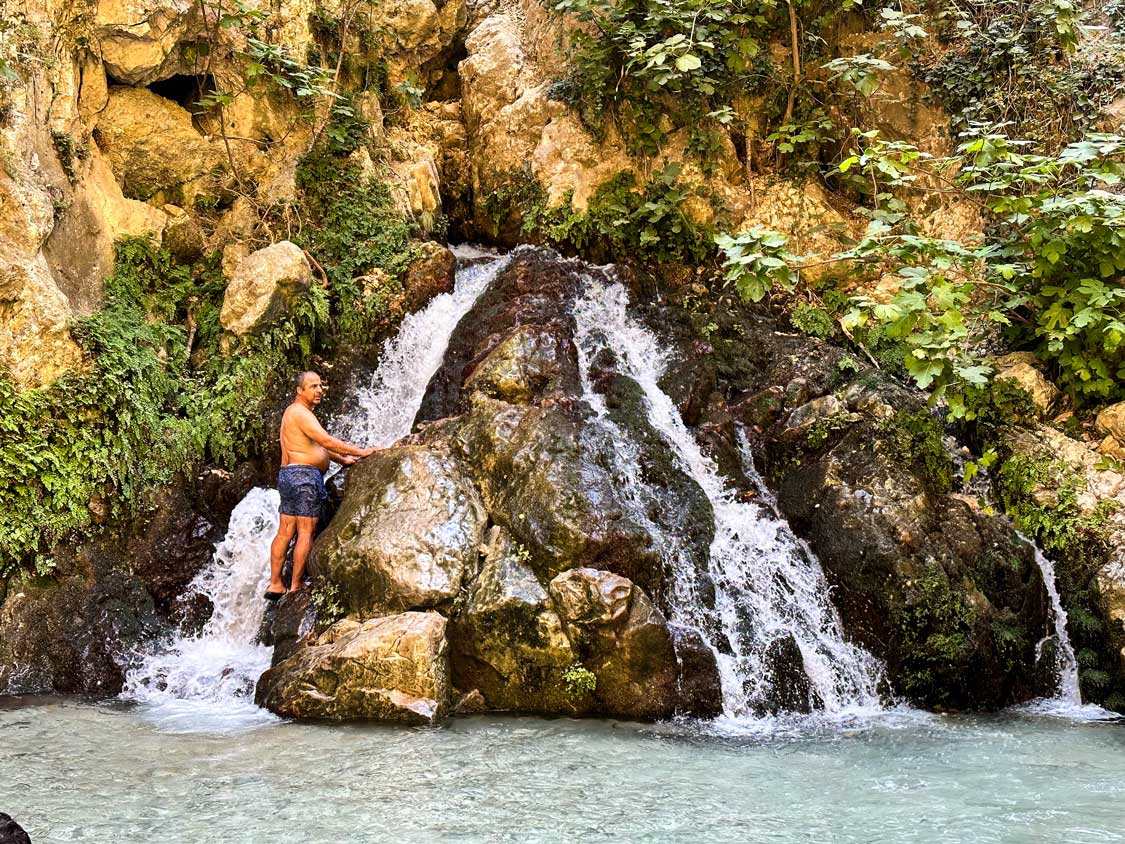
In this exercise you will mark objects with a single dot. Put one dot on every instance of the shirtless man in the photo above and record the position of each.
(306, 449)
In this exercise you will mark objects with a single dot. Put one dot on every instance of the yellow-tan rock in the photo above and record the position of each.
(394, 668)
(1022, 368)
(152, 146)
(1111, 421)
(264, 286)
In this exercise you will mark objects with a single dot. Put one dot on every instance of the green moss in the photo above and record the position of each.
(934, 627)
(580, 681)
(811, 320)
(917, 436)
(622, 220)
(1041, 494)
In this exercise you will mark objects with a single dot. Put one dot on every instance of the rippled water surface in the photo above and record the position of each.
(101, 773)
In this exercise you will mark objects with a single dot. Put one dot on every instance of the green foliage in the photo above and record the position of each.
(353, 228)
(917, 437)
(756, 260)
(580, 681)
(1015, 61)
(935, 626)
(811, 320)
(1056, 521)
(1047, 272)
(649, 223)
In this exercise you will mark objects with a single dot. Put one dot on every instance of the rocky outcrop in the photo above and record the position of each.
(407, 534)
(1067, 492)
(936, 586)
(75, 629)
(429, 274)
(394, 668)
(263, 286)
(152, 146)
(559, 610)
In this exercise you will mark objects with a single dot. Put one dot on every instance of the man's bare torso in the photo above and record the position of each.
(296, 446)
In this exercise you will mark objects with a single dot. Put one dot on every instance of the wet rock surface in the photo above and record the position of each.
(925, 579)
(394, 668)
(508, 514)
(74, 630)
(409, 527)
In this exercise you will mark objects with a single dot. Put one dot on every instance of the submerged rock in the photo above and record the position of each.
(394, 668)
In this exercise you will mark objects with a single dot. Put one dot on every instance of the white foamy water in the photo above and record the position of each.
(210, 678)
(766, 586)
(1067, 700)
(205, 682)
(389, 403)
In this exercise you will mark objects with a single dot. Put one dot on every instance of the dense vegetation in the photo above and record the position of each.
(162, 395)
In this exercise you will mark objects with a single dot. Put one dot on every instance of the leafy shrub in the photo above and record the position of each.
(1047, 271)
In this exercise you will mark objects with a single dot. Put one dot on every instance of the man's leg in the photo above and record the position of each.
(306, 527)
(285, 531)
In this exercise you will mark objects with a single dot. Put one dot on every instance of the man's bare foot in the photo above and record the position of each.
(297, 587)
(275, 586)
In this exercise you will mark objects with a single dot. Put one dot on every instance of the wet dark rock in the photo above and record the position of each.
(11, 832)
(536, 289)
(428, 275)
(790, 687)
(945, 593)
(286, 622)
(74, 630)
(699, 689)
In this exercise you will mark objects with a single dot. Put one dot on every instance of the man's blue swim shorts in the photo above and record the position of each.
(302, 490)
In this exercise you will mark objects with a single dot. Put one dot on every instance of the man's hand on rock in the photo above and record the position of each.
(367, 452)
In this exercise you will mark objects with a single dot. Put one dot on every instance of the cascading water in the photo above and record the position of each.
(766, 586)
(206, 682)
(211, 676)
(1067, 693)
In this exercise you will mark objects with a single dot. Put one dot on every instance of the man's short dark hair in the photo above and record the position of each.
(299, 382)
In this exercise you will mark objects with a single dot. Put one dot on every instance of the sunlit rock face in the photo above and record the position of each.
(392, 668)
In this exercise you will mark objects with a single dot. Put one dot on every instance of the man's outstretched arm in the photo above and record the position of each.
(315, 432)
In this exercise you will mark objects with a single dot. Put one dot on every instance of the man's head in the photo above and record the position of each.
(309, 389)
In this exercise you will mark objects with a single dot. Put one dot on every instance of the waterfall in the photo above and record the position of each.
(767, 586)
(205, 682)
(1067, 691)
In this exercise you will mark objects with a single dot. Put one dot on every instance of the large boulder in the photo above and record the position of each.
(527, 648)
(507, 642)
(547, 474)
(394, 668)
(407, 534)
(622, 639)
(152, 146)
(264, 286)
